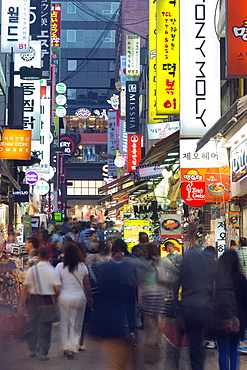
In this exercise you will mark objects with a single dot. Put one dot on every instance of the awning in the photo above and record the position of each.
(230, 119)
(119, 182)
(27, 162)
(4, 171)
(159, 151)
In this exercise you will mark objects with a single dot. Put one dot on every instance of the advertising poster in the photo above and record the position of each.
(132, 228)
(178, 247)
(170, 226)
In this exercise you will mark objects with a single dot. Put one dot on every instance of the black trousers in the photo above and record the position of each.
(40, 332)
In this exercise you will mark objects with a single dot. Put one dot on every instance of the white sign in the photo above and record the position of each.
(162, 130)
(83, 113)
(207, 157)
(132, 55)
(112, 141)
(61, 88)
(61, 111)
(220, 235)
(31, 88)
(15, 26)
(123, 101)
(41, 147)
(119, 162)
(61, 99)
(41, 187)
(199, 68)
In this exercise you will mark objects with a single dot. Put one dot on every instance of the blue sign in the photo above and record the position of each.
(31, 177)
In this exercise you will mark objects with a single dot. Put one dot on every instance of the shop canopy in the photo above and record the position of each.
(234, 119)
(159, 152)
(117, 183)
(6, 175)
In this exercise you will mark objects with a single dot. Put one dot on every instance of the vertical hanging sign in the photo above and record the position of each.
(132, 55)
(134, 151)
(55, 25)
(167, 67)
(236, 39)
(112, 142)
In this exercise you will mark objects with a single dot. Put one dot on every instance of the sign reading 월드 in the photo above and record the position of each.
(15, 144)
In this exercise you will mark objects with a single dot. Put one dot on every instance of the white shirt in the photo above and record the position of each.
(70, 287)
(46, 273)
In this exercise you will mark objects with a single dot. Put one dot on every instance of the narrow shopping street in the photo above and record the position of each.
(14, 356)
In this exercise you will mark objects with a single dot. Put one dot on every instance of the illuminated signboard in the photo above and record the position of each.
(55, 25)
(15, 144)
(167, 66)
(132, 55)
(134, 151)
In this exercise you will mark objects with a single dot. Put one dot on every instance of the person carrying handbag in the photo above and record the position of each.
(40, 286)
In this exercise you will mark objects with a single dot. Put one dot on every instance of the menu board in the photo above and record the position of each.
(132, 228)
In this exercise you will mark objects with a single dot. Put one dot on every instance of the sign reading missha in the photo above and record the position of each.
(199, 68)
(132, 106)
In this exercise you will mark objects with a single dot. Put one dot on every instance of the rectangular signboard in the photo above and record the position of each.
(35, 17)
(167, 65)
(15, 20)
(132, 106)
(134, 151)
(112, 142)
(236, 39)
(162, 130)
(199, 68)
(15, 144)
(132, 55)
(56, 25)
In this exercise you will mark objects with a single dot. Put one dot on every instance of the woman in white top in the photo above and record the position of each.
(72, 276)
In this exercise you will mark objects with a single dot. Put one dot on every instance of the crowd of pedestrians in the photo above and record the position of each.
(88, 284)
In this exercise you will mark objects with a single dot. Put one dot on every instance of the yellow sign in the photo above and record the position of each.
(132, 56)
(132, 228)
(16, 144)
(167, 66)
(177, 245)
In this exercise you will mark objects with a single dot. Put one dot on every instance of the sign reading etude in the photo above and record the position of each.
(132, 106)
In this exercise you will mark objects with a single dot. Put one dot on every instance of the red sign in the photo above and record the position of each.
(193, 193)
(55, 25)
(217, 187)
(236, 38)
(134, 151)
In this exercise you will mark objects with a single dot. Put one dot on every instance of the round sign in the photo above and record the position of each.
(119, 161)
(61, 88)
(31, 177)
(83, 113)
(49, 209)
(193, 193)
(61, 99)
(61, 112)
(48, 175)
(42, 187)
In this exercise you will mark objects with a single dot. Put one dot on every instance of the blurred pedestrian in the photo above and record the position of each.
(66, 226)
(32, 245)
(39, 285)
(233, 245)
(242, 255)
(139, 249)
(72, 276)
(230, 309)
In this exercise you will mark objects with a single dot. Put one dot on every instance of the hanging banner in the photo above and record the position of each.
(132, 106)
(199, 68)
(134, 151)
(15, 20)
(220, 235)
(132, 55)
(55, 25)
(236, 39)
(167, 65)
(15, 144)
(112, 142)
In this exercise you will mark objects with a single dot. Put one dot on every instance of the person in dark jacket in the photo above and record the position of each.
(231, 306)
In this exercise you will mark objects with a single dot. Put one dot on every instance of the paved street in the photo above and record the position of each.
(14, 356)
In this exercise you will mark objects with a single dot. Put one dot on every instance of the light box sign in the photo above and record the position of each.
(112, 142)
(149, 171)
(162, 130)
(32, 177)
(236, 39)
(193, 193)
(35, 17)
(206, 157)
(22, 195)
(199, 68)
(132, 55)
(56, 25)
(239, 162)
(15, 26)
(132, 106)
(31, 120)
(167, 66)
(15, 144)
(134, 151)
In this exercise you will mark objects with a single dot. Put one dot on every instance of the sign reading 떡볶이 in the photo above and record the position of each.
(15, 26)
(134, 151)
(236, 39)
(132, 55)
(167, 66)
(16, 144)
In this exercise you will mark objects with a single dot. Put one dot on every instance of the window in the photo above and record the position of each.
(71, 94)
(72, 65)
(84, 187)
(71, 8)
(71, 35)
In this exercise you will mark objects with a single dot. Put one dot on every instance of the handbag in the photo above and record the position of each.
(165, 277)
(45, 303)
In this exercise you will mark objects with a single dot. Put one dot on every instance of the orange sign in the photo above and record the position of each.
(16, 144)
(236, 38)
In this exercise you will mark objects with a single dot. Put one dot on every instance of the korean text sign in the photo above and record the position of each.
(134, 151)
(199, 68)
(132, 55)
(167, 68)
(15, 26)
(236, 38)
(56, 25)
(112, 141)
(16, 144)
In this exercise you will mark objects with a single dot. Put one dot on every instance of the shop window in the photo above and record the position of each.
(72, 65)
(71, 8)
(71, 94)
(71, 35)
(84, 187)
